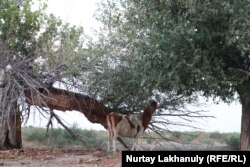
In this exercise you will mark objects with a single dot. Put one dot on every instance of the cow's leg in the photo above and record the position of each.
(114, 138)
(109, 142)
(135, 143)
(138, 145)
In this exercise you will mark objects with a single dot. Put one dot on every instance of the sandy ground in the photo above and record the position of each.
(73, 157)
(80, 157)
(36, 155)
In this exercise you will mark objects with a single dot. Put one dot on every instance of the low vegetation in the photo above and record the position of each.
(60, 138)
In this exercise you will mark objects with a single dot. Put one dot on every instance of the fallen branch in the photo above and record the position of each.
(53, 114)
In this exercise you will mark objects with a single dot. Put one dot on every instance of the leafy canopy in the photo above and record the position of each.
(174, 47)
(29, 33)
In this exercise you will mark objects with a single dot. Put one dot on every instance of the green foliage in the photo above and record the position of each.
(61, 138)
(173, 47)
(187, 137)
(233, 140)
(29, 31)
(176, 134)
(34, 134)
(215, 135)
(19, 25)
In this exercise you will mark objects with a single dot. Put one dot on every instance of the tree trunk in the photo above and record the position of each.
(10, 126)
(63, 100)
(245, 121)
(10, 120)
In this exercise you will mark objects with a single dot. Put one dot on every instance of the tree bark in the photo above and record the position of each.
(10, 126)
(245, 121)
(64, 100)
(10, 120)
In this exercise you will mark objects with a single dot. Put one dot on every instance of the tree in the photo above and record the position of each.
(36, 50)
(177, 48)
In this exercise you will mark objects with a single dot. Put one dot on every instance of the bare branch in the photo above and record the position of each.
(65, 127)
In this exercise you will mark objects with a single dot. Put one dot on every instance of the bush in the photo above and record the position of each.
(233, 140)
(187, 137)
(34, 134)
(61, 138)
(216, 135)
(176, 135)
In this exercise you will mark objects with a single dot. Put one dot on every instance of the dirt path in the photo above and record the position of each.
(40, 157)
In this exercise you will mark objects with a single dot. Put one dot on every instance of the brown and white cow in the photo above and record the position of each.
(131, 126)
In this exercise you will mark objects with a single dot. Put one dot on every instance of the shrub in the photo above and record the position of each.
(61, 138)
(233, 140)
(34, 134)
(176, 135)
(187, 137)
(216, 135)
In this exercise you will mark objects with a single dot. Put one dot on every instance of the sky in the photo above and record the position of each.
(80, 12)
(76, 12)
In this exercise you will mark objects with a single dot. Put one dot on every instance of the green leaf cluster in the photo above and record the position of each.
(30, 32)
(175, 48)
